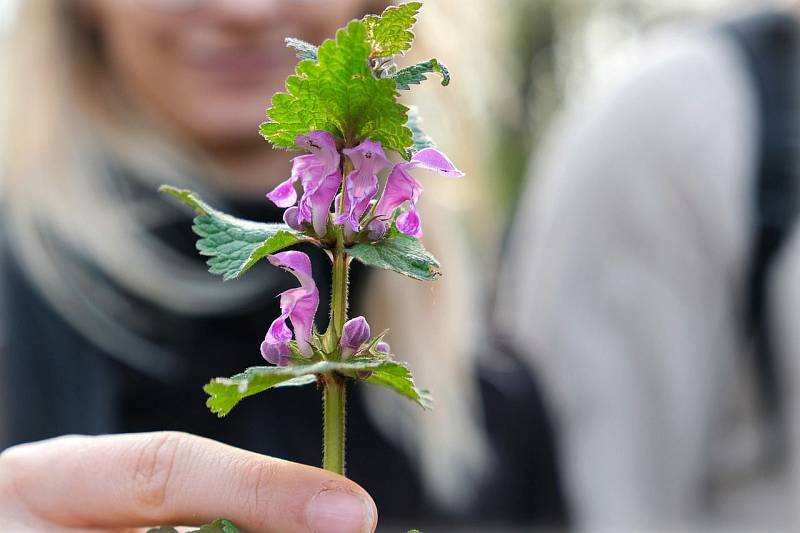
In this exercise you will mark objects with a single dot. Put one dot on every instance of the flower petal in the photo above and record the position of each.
(400, 187)
(323, 146)
(275, 347)
(409, 223)
(355, 333)
(284, 195)
(297, 263)
(433, 159)
(361, 184)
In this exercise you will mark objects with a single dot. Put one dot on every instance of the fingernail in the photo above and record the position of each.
(336, 511)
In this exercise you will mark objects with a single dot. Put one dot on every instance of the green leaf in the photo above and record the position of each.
(390, 33)
(398, 377)
(340, 94)
(225, 393)
(421, 139)
(234, 245)
(217, 526)
(304, 50)
(416, 74)
(400, 253)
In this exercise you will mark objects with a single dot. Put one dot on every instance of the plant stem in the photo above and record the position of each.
(335, 388)
(334, 399)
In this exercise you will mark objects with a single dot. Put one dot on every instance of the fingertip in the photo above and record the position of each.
(341, 506)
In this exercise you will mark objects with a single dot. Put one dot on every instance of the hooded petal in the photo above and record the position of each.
(400, 187)
(355, 333)
(322, 145)
(433, 159)
(300, 304)
(275, 347)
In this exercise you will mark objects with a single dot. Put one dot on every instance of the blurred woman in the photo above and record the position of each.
(112, 323)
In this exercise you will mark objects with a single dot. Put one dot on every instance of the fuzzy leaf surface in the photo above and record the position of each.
(233, 244)
(397, 377)
(340, 94)
(400, 253)
(225, 393)
(303, 49)
(416, 74)
(421, 139)
(390, 33)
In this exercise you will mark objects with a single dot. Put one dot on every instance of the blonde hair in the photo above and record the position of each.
(64, 210)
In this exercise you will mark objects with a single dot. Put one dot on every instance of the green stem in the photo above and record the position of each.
(334, 399)
(335, 388)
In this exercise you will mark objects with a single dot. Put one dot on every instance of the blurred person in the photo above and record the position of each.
(112, 323)
(652, 281)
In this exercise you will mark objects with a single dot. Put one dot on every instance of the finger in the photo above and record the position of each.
(147, 479)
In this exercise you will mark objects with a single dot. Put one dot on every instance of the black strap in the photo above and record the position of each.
(769, 43)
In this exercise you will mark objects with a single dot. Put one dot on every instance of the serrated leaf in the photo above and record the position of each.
(390, 33)
(225, 393)
(398, 377)
(303, 49)
(400, 253)
(340, 94)
(421, 139)
(233, 244)
(416, 74)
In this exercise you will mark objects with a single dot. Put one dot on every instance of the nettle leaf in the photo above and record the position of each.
(400, 253)
(340, 94)
(234, 245)
(398, 377)
(421, 139)
(225, 393)
(217, 526)
(416, 74)
(304, 50)
(390, 33)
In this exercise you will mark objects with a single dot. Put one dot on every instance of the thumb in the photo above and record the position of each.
(139, 480)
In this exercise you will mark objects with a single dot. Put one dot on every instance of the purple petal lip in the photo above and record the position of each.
(361, 184)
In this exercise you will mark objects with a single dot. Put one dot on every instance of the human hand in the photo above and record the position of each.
(119, 482)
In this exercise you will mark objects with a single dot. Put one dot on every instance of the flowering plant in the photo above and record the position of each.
(340, 109)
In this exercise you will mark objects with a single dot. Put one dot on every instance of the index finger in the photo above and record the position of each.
(139, 480)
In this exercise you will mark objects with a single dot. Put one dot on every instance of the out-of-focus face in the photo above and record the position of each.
(209, 67)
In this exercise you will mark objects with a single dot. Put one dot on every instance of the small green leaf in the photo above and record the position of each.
(421, 139)
(340, 94)
(304, 50)
(217, 526)
(416, 74)
(400, 253)
(225, 393)
(390, 33)
(398, 377)
(234, 245)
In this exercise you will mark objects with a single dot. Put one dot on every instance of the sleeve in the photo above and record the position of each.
(623, 278)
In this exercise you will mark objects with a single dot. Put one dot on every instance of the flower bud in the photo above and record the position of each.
(290, 216)
(354, 334)
(383, 347)
(376, 230)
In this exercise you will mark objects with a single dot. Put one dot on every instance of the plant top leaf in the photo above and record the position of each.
(390, 33)
(340, 94)
(233, 244)
(416, 74)
(400, 253)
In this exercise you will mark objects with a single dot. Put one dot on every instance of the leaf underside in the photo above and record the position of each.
(340, 94)
(421, 139)
(416, 74)
(232, 244)
(400, 253)
(303, 49)
(390, 33)
(225, 393)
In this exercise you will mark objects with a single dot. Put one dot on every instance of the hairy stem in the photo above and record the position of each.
(333, 449)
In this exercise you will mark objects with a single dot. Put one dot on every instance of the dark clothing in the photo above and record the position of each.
(53, 381)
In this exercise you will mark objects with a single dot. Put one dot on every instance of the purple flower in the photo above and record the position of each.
(299, 305)
(362, 183)
(320, 177)
(354, 334)
(383, 347)
(402, 187)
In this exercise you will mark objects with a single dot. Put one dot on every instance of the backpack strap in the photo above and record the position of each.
(769, 45)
